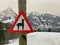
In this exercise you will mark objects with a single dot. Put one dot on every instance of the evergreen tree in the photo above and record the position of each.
(2, 39)
(49, 30)
(39, 29)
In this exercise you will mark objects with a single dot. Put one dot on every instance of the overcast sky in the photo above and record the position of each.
(44, 6)
(41, 6)
(4, 4)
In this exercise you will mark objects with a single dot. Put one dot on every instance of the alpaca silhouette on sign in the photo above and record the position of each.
(21, 24)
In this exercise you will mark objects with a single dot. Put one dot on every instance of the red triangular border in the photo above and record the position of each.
(28, 23)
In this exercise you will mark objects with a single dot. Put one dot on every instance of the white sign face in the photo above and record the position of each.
(21, 24)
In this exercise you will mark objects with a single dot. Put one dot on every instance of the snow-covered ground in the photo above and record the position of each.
(13, 42)
(43, 38)
(39, 38)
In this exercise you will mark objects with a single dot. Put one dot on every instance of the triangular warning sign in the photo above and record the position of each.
(20, 22)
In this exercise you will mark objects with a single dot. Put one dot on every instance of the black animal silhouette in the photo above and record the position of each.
(21, 24)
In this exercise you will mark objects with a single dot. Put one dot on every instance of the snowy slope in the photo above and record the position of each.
(43, 38)
(13, 42)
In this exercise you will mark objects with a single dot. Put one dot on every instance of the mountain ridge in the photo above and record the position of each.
(44, 21)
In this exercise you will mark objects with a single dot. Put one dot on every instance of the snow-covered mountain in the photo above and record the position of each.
(37, 20)
(7, 16)
(43, 21)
